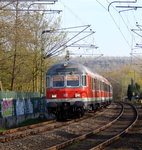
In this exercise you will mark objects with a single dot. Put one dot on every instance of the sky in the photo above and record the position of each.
(113, 35)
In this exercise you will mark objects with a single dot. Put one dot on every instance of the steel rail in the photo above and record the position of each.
(84, 136)
(36, 131)
(26, 127)
(111, 140)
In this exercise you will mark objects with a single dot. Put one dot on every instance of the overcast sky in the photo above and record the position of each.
(113, 29)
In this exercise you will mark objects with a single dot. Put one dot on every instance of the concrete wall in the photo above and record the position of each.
(16, 111)
(13, 121)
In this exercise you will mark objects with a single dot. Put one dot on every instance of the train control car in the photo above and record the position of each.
(72, 88)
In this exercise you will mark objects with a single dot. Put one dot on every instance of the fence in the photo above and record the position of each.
(16, 95)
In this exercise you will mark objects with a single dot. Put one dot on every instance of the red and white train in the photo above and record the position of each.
(72, 88)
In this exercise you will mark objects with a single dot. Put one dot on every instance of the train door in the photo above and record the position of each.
(97, 93)
(102, 92)
(85, 85)
(97, 90)
(92, 91)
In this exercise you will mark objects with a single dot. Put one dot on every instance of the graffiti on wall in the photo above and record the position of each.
(24, 106)
(7, 107)
(20, 107)
(16, 107)
(28, 106)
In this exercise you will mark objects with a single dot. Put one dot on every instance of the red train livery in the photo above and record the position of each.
(72, 88)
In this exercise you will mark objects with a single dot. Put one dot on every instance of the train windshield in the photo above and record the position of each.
(58, 81)
(72, 80)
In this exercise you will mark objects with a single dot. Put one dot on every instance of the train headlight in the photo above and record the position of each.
(77, 95)
(53, 95)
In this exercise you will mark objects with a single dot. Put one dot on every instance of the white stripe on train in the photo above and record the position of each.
(99, 99)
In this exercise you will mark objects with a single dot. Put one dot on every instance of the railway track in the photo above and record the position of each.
(47, 136)
(22, 132)
(107, 134)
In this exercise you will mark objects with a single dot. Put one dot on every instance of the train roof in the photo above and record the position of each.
(74, 67)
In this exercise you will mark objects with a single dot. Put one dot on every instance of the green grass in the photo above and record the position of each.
(26, 123)
(2, 129)
(31, 122)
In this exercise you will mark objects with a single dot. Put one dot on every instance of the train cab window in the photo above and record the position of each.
(72, 80)
(58, 81)
(84, 80)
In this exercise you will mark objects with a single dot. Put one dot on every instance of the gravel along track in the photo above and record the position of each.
(44, 140)
(92, 142)
(21, 132)
(133, 139)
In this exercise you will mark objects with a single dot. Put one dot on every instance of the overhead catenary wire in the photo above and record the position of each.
(76, 16)
(65, 46)
(102, 5)
(1, 8)
(70, 10)
(120, 2)
(52, 50)
(128, 28)
(127, 24)
(115, 23)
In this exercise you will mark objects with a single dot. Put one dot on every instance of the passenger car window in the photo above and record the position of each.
(84, 80)
(48, 82)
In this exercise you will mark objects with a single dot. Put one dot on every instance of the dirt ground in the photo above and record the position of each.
(133, 139)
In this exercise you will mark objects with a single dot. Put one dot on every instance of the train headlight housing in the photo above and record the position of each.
(77, 95)
(54, 96)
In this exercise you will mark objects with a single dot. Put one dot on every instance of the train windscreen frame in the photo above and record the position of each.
(72, 80)
(58, 81)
